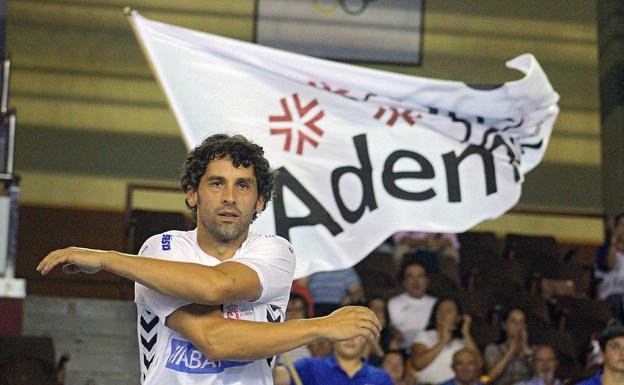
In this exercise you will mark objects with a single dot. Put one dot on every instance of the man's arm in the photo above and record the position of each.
(219, 338)
(209, 285)
(422, 356)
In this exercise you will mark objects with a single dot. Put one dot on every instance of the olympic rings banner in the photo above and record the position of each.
(361, 153)
(372, 31)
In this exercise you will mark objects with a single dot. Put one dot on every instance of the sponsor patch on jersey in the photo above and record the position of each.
(186, 358)
(238, 311)
(166, 242)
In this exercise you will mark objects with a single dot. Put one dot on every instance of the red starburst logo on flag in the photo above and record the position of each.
(395, 114)
(300, 122)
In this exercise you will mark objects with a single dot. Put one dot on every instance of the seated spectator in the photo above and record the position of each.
(345, 366)
(297, 309)
(394, 364)
(447, 332)
(409, 311)
(544, 364)
(507, 362)
(306, 296)
(610, 268)
(333, 289)
(389, 338)
(612, 348)
(467, 368)
(444, 247)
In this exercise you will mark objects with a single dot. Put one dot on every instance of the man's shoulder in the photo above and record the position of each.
(590, 381)
(254, 237)
(378, 373)
(397, 299)
(425, 300)
(429, 299)
(313, 362)
(168, 243)
(450, 382)
(594, 380)
(267, 243)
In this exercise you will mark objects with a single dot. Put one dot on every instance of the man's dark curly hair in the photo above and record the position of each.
(243, 153)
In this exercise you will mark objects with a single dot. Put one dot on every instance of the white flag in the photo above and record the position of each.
(361, 153)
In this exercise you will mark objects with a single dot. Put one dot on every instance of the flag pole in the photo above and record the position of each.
(291, 369)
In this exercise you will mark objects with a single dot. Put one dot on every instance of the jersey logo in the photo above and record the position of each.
(274, 314)
(149, 336)
(186, 358)
(166, 242)
(238, 311)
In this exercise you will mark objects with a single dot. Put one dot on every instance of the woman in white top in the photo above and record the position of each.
(447, 332)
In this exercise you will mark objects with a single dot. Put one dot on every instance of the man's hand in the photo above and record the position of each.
(349, 322)
(73, 260)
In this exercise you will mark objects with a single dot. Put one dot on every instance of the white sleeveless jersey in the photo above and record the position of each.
(167, 358)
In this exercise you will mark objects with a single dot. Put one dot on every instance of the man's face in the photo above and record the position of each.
(614, 355)
(545, 363)
(226, 200)
(350, 349)
(467, 367)
(415, 281)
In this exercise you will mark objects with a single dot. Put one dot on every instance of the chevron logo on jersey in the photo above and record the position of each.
(186, 358)
(148, 336)
(274, 314)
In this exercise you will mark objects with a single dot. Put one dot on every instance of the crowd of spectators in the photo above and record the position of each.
(516, 327)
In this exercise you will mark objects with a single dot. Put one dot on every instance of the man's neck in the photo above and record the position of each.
(350, 365)
(220, 250)
(421, 296)
(612, 377)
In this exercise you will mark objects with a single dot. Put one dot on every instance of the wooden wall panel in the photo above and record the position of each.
(44, 229)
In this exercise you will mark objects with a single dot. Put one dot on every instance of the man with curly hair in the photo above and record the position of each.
(611, 343)
(210, 301)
